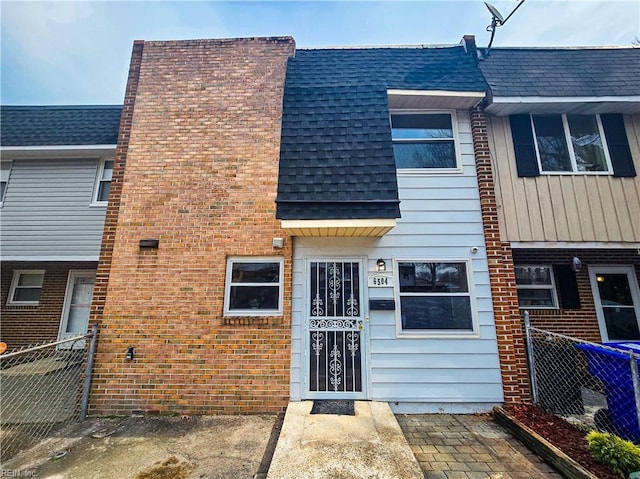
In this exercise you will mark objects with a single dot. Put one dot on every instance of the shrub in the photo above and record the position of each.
(622, 457)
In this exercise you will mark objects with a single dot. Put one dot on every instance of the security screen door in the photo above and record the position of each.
(335, 330)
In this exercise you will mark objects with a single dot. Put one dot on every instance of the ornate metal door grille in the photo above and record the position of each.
(335, 326)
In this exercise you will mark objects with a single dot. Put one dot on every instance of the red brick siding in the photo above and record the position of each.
(511, 347)
(201, 175)
(581, 323)
(26, 325)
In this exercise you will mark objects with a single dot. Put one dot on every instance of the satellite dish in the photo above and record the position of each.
(497, 20)
(496, 14)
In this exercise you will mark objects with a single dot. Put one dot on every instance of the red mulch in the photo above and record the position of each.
(566, 437)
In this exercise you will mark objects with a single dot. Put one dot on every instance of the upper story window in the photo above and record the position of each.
(424, 140)
(536, 287)
(253, 287)
(434, 297)
(26, 287)
(571, 144)
(5, 172)
(103, 182)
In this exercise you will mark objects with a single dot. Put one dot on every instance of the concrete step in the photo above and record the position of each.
(367, 445)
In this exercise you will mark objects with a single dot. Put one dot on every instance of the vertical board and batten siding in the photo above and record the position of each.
(47, 215)
(564, 207)
(440, 220)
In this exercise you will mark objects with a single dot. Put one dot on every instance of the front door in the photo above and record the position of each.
(77, 306)
(617, 300)
(335, 330)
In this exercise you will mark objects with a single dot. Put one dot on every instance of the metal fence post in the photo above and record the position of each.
(530, 356)
(84, 403)
(636, 384)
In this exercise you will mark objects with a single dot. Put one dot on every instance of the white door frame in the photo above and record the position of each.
(68, 295)
(306, 392)
(629, 270)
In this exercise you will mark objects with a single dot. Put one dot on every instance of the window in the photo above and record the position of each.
(253, 287)
(5, 171)
(536, 287)
(103, 182)
(434, 297)
(26, 287)
(570, 144)
(423, 140)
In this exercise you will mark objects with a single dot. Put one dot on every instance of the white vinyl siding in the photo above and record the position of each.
(47, 214)
(440, 220)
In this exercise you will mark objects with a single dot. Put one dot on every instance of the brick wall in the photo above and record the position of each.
(25, 325)
(581, 323)
(509, 334)
(200, 138)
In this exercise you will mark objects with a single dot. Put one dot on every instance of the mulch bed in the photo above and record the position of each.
(561, 434)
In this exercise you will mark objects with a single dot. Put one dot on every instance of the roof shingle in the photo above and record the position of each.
(562, 72)
(336, 155)
(59, 125)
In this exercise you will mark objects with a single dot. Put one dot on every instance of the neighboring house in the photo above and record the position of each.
(564, 130)
(56, 165)
(378, 186)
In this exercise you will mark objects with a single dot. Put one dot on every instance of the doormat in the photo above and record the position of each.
(331, 406)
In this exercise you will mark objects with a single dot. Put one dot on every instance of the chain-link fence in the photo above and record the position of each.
(42, 388)
(589, 383)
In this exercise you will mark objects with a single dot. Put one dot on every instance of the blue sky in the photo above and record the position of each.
(78, 52)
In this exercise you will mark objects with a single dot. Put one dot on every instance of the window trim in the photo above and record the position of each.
(99, 180)
(456, 143)
(14, 286)
(473, 333)
(553, 286)
(570, 149)
(228, 284)
(4, 193)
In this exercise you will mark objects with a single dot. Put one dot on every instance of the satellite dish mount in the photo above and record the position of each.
(497, 20)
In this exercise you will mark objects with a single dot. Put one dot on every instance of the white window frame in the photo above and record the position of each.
(14, 286)
(572, 154)
(456, 143)
(552, 286)
(99, 180)
(5, 180)
(474, 332)
(227, 285)
(629, 270)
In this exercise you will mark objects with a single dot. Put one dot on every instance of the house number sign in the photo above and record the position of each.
(380, 280)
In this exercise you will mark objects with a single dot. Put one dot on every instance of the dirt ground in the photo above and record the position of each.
(215, 447)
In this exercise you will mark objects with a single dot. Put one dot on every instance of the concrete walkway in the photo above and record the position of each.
(450, 446)
(321, 446)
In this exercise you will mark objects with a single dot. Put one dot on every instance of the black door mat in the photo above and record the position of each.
(331, 406)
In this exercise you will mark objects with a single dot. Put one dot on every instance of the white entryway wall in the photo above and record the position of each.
(441, 221)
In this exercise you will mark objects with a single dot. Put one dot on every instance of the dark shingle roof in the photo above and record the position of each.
(336, 156)
(59, 125)
(563, 72)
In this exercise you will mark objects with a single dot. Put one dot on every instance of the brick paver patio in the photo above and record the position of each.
(457, 446)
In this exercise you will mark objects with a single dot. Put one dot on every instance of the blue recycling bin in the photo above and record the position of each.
(613, 369)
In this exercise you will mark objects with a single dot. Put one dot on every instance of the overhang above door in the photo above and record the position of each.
(369, 227)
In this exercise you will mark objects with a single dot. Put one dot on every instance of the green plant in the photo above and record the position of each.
(622, 457)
